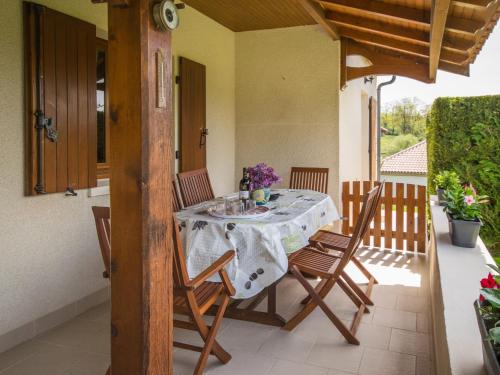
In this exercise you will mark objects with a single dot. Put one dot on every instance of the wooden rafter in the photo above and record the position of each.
(419, 16)
(382, 40)
(317, 12)
(395, 31)
(474, 3)
(387, 61)
(439, 15)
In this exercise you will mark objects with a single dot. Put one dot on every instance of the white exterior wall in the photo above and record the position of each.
(406, 179)
(354, 130)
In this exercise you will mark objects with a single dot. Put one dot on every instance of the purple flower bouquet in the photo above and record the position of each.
(262, 176)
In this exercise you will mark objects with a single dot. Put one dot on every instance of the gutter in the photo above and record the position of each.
(379, 125)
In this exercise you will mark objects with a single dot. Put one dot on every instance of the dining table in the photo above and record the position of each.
(262, 245)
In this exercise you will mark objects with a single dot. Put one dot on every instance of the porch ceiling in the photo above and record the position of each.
(405, 37)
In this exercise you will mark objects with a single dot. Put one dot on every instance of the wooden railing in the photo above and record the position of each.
(393, 226)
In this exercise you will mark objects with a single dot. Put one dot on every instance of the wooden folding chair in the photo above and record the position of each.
(326, 240)
(309, 178)
(330, 268)
(177, 204)
(194, 297)
(195, 187)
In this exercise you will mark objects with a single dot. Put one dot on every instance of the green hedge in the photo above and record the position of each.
(463, 135)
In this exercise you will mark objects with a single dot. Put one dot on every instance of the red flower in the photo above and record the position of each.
(489, 282)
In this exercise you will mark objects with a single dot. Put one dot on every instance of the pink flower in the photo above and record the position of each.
(469, 199)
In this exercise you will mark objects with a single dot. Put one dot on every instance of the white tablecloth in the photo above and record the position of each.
(261, 244)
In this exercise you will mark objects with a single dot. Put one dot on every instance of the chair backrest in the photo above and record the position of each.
(180, 273)
(309, 178)
(365, 217)
(102, 218)
(176, 198)
(195, 187)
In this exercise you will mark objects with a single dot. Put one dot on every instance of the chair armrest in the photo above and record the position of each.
(217, 266)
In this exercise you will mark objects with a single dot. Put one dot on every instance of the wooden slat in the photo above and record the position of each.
(346, 207)
(83, 119)
(367, 185)
(91, 108)
(439, 14)
(399, 215)
(422, 222)
(317, 12)
(72, 81)
(62, 103)
(50, 148)
(377, 223)
(141, 233)
(410, 218)
(387, 200)
(355, 202)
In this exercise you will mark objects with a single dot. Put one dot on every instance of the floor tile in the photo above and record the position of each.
(409, 342)
(384, 362)
(245, 336)
(423, 322)
(424, 366)
(336, 354)
(19, 353)
(293, 368)
(395, 319)
(287, 345)
(374, 336)
(243, 363)
(414, 304)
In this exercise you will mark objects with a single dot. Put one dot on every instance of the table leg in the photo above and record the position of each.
(269, 317)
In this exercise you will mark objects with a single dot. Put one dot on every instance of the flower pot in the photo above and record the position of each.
(489, 357)
(261, 196)
(464, 233)
(441, 199)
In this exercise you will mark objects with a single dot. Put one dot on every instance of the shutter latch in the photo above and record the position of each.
(43, 122)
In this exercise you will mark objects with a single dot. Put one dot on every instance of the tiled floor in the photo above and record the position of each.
(394, 337)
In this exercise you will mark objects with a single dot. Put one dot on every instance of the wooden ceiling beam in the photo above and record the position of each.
(381, 40)
(317, 12)
(115, 3)
(397, 31)
(420, 16)
(439, 14)
(473, 3)
(374, 53)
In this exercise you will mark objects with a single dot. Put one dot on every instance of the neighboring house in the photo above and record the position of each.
(408, 166)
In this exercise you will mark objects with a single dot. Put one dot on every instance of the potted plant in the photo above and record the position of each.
(488, 317)
(262, 177)
(445, 180)
(463, 208)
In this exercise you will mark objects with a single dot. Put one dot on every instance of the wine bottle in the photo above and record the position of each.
(245, 187)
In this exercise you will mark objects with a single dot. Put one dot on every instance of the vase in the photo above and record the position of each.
(489, 357)
(464, 233)
(261, 196)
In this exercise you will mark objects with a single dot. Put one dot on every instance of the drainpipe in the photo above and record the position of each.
(379, 125)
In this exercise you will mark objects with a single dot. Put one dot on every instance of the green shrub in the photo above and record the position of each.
(463, 135)
(446, 180)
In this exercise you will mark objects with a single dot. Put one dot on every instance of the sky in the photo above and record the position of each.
(484, 79)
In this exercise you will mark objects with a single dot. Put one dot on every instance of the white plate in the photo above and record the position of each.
(258, 211)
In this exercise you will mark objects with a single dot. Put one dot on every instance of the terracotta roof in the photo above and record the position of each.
(411, 160)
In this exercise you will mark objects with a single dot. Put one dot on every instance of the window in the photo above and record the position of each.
(103, 157)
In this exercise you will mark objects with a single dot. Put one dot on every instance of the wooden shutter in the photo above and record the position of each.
(68, 66)
(192, 119)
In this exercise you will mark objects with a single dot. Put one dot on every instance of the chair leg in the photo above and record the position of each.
(359, 292)
(317, 288)
(364, 270)
(317, 300)
(208, 336)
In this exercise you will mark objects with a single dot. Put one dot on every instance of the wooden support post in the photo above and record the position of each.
(140, 94)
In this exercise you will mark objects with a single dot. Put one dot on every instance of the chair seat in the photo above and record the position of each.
(206, 295)
(314, 262)
(331, 240)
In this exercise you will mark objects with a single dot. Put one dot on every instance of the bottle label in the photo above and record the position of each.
(244, 194)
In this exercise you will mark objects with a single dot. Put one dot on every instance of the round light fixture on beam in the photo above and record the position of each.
(357, 61)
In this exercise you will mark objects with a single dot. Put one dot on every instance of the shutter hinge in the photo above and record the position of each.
(177, 154)
(177, 80)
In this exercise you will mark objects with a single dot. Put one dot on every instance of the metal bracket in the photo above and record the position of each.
(70, 192)
(43, 122)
